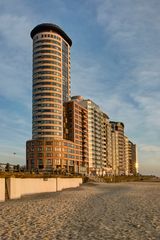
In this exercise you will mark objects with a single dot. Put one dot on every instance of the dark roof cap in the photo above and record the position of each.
(49, 26)
(116, 123)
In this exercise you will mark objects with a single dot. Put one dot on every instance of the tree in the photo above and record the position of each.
(18, 168)
(7, 168)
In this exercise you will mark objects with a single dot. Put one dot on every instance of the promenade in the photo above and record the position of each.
(129, 211)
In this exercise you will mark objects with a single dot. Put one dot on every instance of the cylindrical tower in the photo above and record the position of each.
(51, 80)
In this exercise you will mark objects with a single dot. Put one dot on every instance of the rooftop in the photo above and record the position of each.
(49, 26)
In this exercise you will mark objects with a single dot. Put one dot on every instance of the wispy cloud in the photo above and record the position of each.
(15, 85)
(85, 77)
(150, 159)
(14, 30)
(132, 28)
(150, 148)
(15, 60)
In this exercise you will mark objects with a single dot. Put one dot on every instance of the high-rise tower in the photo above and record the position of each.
(51, 80)
(50, 147)
(118, 148)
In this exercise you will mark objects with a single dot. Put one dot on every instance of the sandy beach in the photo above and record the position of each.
(92, 211)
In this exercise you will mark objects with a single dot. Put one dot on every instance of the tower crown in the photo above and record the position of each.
(49, 27)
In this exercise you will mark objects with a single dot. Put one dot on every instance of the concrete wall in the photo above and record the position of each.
(38, 185)
(14, 187)
(18, 187)
(23, 186)
(63, 183)
(2, 189)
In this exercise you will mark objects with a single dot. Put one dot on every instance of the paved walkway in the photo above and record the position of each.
(128, 211)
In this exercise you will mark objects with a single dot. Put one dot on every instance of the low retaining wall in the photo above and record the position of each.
(17, 187)
(2, 189)
(63, 183)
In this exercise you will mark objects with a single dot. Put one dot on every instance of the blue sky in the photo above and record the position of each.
(115, 61)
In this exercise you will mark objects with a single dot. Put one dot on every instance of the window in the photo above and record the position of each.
(57, 154)
(48, 149)
(46, 99)
(48, 121)
(46, 56)
(46, 72)
(47, 61)
(46, 105)
(46, 66)
(49, 162)
(57, 149)
(46, 78)
(48, 133)
(46, 89)
(47, 46)
(47, 51)
(46, 116)
(46, 94)
(57, 161)
(40, 154)
(40, 149)
(40, 161)
(49, 154)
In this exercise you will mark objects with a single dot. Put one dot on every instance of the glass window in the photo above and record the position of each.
(40, 161)
(49, 161)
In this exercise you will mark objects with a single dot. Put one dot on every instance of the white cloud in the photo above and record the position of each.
(15, 30)
(133, 25)
(132, 28)
(150, 148)
(84, 79)
(15, 43)
(15, 130)
(16, 20)
(149, 156)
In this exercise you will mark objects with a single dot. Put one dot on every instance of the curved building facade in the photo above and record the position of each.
(50, 148)
(51, 80)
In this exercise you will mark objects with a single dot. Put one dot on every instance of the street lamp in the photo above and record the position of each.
(14, 154)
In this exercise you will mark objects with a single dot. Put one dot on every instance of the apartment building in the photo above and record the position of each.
(131, 157)
(132, 152)
(108, 143)
(50, 147)
(127, 161)
(98, 138)
(118, 145)
(115, 152)
(75, 126)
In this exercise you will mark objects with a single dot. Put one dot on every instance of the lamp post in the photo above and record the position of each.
(14, 154)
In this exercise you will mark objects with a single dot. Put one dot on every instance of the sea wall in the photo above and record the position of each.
(63, 183)
(2, 189)
(17, 187)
